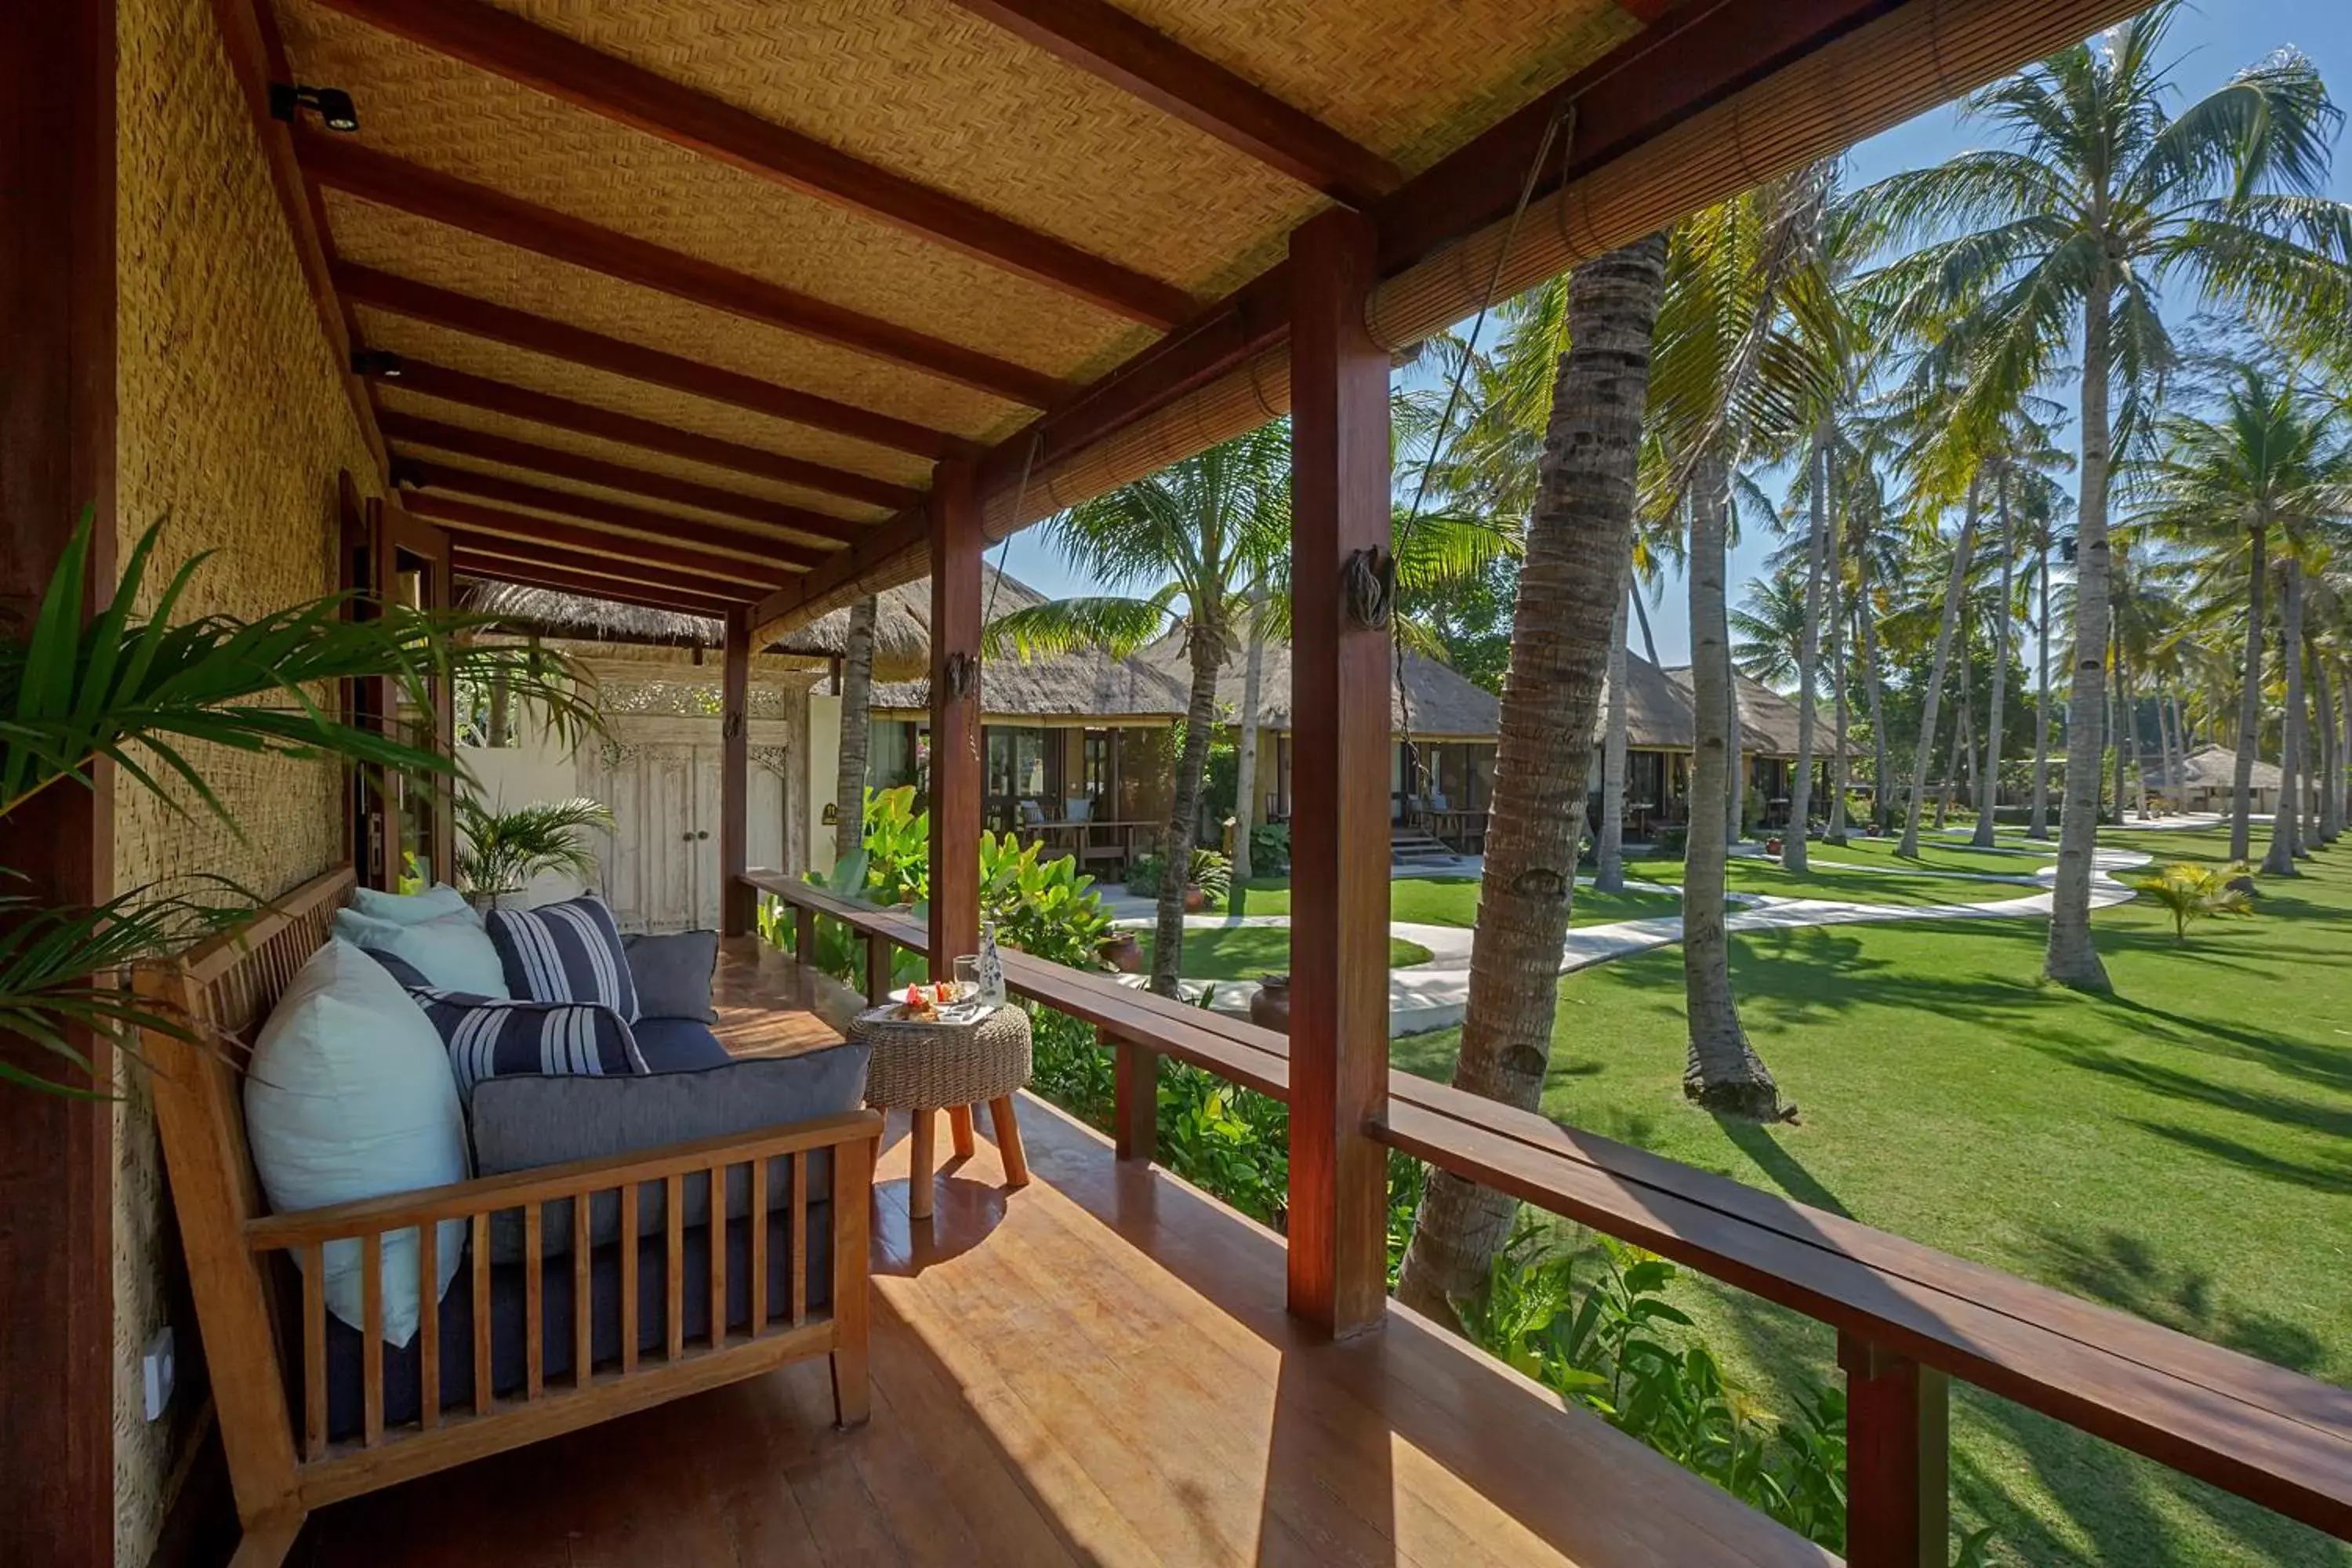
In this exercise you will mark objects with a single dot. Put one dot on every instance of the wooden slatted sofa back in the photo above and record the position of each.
(239, 1259)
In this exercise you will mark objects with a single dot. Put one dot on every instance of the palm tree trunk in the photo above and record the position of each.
(1817, 547)
(1578, 546)
(1245, 748)
(2306, 837)
(1953, 582)
(2071, 959)
(1735, 797)
(1988, 782)
(856, 729)
(1208, 640)
(1722, 1073)
(2250, 694)
(1641, 619)
(2038, 825)
(2130, 784)
(2279, 860)
(1609, 855)
(1875, 693)
(1835, 832)
(2331, 761)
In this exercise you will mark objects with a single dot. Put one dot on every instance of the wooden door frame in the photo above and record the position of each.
(58, 446)
(401, 534)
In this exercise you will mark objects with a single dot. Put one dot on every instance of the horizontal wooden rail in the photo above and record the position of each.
(547, 1183)
(1907, 1316)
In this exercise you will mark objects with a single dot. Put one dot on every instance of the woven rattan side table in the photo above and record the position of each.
(924, 1069)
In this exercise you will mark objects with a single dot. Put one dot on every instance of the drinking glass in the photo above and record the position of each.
(967, 976)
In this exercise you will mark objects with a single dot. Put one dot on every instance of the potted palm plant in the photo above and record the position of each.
(142, 689)
(503, 850)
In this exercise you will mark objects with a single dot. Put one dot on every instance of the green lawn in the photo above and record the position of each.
(1454, 902)
(1936, 854)
(2181, 1148)
(1750, 875)
(1244, 952)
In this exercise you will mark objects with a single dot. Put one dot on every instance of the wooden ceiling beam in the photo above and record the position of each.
(1106, 42)
(609, 514)
(585, 418)
(563, 68)
(342, 164)
(472, 564)
(474, 520)
(468, 443)
(596, 564)
(617, 356)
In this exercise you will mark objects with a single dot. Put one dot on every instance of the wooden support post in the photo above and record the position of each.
(1898, 1488)
(1135, 1098)
(1339, 827)
(878, 969)
(956, 540)
(736, 896)
(57, 461)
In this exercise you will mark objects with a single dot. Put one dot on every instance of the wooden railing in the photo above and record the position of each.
(1908, 1317)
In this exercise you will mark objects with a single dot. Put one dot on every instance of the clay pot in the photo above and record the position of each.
(1772, 846)
(1195, 901)
(1122, 951)
(1270, 1008)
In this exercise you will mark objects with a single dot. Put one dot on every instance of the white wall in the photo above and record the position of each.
(540, 769)
(823, 756)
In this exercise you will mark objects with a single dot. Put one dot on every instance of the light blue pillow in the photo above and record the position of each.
(436, 902)
(452, 953)
(350, 1096)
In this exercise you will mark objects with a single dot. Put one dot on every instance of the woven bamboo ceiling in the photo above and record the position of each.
(680, 301)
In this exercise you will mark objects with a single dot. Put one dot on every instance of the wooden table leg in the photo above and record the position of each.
(918, 1173)
(1008, 1142)
(959, 1129)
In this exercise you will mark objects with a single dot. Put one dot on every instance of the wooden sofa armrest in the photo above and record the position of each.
(547, 1183)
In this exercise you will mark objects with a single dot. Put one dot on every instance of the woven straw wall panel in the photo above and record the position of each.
(505, 275)
(928, 91)
(233, 421)
(392, 397)
(432, 110)
(753, 533)
(520, 367)
(1412, 79)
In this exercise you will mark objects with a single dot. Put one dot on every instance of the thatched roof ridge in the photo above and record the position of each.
(902, 639)
(2210, 767)
(1440, 701)
(1768, 720)
(1090, 683)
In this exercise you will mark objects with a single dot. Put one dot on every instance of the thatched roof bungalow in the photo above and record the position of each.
(2207, 780)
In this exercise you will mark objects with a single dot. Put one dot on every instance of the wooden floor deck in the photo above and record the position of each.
(1097, 1368)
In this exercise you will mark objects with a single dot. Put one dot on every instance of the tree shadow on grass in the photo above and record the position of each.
(2100, 1056)
(2131, 1274)
(1787, 1172)
(2332, 1176)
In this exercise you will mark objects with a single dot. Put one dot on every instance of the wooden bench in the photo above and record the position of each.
(282, 1462)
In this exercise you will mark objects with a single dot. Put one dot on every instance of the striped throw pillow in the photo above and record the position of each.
(490, 1038)
(569, 951)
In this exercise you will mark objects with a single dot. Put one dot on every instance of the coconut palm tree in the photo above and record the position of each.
(1180, 551)
(1769, 626)
(2269, 458)
(2056, 245)
(1578, 549)
(151, 693)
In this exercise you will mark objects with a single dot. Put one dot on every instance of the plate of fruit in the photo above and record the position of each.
(946, 1002)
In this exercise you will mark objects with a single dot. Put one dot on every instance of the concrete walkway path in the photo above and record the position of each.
(1433, 994)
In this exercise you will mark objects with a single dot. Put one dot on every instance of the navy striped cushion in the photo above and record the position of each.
(569, 951)
(490, 1037)
(410, 977)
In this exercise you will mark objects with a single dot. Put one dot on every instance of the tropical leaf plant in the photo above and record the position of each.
(2189, 892)
(503, 850)
(147, 690)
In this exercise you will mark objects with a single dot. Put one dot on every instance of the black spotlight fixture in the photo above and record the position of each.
(335, 109)
(380, 364)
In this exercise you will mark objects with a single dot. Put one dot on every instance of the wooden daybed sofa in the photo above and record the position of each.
(503, 1359)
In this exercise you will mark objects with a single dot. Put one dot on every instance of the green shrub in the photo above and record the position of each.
(1673, 840)
(1270, 850)
(1211, 872)
(2190, 891)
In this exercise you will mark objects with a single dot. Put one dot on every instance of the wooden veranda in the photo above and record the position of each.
(749, 309)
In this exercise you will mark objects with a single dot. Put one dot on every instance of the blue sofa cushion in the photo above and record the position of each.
(673, 973)
(679, 1045)
(569, 951)
(489, 1037)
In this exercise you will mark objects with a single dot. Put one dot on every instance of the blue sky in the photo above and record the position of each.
(2209, 41)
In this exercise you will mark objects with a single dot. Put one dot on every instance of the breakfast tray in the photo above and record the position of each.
(925, 1064)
